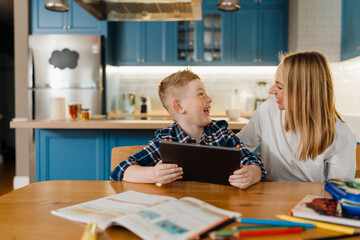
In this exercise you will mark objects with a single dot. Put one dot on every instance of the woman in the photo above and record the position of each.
(302, 136)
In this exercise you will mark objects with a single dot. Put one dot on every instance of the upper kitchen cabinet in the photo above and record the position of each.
(75, 21)
(201, 42)
(138, 43)
(260, 32)
(350, 43)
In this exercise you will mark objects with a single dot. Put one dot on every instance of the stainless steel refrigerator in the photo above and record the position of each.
(66, 66)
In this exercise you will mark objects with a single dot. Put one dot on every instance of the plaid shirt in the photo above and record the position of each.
(217, 133)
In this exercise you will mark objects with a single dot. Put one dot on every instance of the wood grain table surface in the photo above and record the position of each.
(26, 212)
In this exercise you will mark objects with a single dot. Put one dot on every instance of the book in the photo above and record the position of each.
(323, 209)
(150, 216)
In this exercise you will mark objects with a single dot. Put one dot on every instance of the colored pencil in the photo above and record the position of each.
(336, 237)
(221, 225)
(322, 225)
(246, 229)
(268, 232)
(275, 222)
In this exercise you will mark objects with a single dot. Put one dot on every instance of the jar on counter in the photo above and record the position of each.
(85, 114)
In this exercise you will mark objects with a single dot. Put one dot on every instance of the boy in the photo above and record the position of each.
(184, 96)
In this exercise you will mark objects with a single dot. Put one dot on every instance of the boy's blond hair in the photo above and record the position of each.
(168, 86)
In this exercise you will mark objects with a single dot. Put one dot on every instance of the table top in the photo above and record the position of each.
(26, 213)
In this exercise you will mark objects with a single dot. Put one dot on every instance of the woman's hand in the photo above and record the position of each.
(167, 172)
(246, 176)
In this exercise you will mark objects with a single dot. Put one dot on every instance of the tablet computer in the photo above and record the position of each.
(202, 163)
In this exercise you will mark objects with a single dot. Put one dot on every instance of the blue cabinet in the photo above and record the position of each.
(260, 32)
(76, 21)
(81, 154)
(253, 35)
(350, 42)
(204, 42)
(138, 43)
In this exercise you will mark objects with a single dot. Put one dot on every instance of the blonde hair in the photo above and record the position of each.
(309, 101)
(175, 80)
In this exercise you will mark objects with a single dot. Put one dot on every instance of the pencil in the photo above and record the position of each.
(89, 232)
(246, 229)
(268, 232)
(275, 222)
(221, 225)
(322, 225)
(336, 237)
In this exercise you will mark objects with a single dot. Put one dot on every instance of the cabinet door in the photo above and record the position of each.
(75, 21)
(81, 21)
(245, 43)
(126, 41)
(350, 42)
(154, 43)
(71, 155)
(45, 21)
(118, 138)
(201, 42)
(138, 43)
(272, 35)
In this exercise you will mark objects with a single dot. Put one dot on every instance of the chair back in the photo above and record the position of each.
(119, 154)
(357, 174)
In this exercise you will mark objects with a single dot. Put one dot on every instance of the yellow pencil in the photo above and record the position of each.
(89, 232)
(322, 225)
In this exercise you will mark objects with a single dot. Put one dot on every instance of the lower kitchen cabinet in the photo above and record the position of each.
(81, 154)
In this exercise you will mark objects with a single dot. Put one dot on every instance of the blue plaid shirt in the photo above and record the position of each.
(216, 133)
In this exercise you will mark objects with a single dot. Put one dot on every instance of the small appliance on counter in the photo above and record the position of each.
(262, 94)
(145, 106)
(128, 103)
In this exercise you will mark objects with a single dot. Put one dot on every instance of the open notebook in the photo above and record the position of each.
(202, 163)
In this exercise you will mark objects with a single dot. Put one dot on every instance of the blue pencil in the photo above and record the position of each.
(275, 222)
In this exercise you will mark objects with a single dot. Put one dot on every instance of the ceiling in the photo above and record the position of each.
(6, 12)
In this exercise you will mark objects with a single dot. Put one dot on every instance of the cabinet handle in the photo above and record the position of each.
(255, 60)
(259, 60)
(64, 27)
(68, 27)
(143, 60)
(138, 60)
(358, 48)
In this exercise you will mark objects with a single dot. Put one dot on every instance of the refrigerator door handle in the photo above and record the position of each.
(30, 69)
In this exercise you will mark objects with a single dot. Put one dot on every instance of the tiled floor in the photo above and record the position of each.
(7, 173)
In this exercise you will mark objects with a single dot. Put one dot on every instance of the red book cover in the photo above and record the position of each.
(324, 209)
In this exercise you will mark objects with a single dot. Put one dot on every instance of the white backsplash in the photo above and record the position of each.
(222, 81)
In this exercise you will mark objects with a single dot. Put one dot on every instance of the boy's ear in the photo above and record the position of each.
(178, 108)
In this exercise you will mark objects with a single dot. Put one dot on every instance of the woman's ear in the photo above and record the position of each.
(176, 105)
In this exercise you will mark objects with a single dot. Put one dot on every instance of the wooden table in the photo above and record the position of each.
(25, 213)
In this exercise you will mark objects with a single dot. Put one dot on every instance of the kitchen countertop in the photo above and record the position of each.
(108, 124)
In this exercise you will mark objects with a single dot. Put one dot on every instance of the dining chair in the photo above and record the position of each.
(119, 154)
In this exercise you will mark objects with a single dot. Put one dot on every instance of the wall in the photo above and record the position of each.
(315, 25)
(220, 82)
(22, 136)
